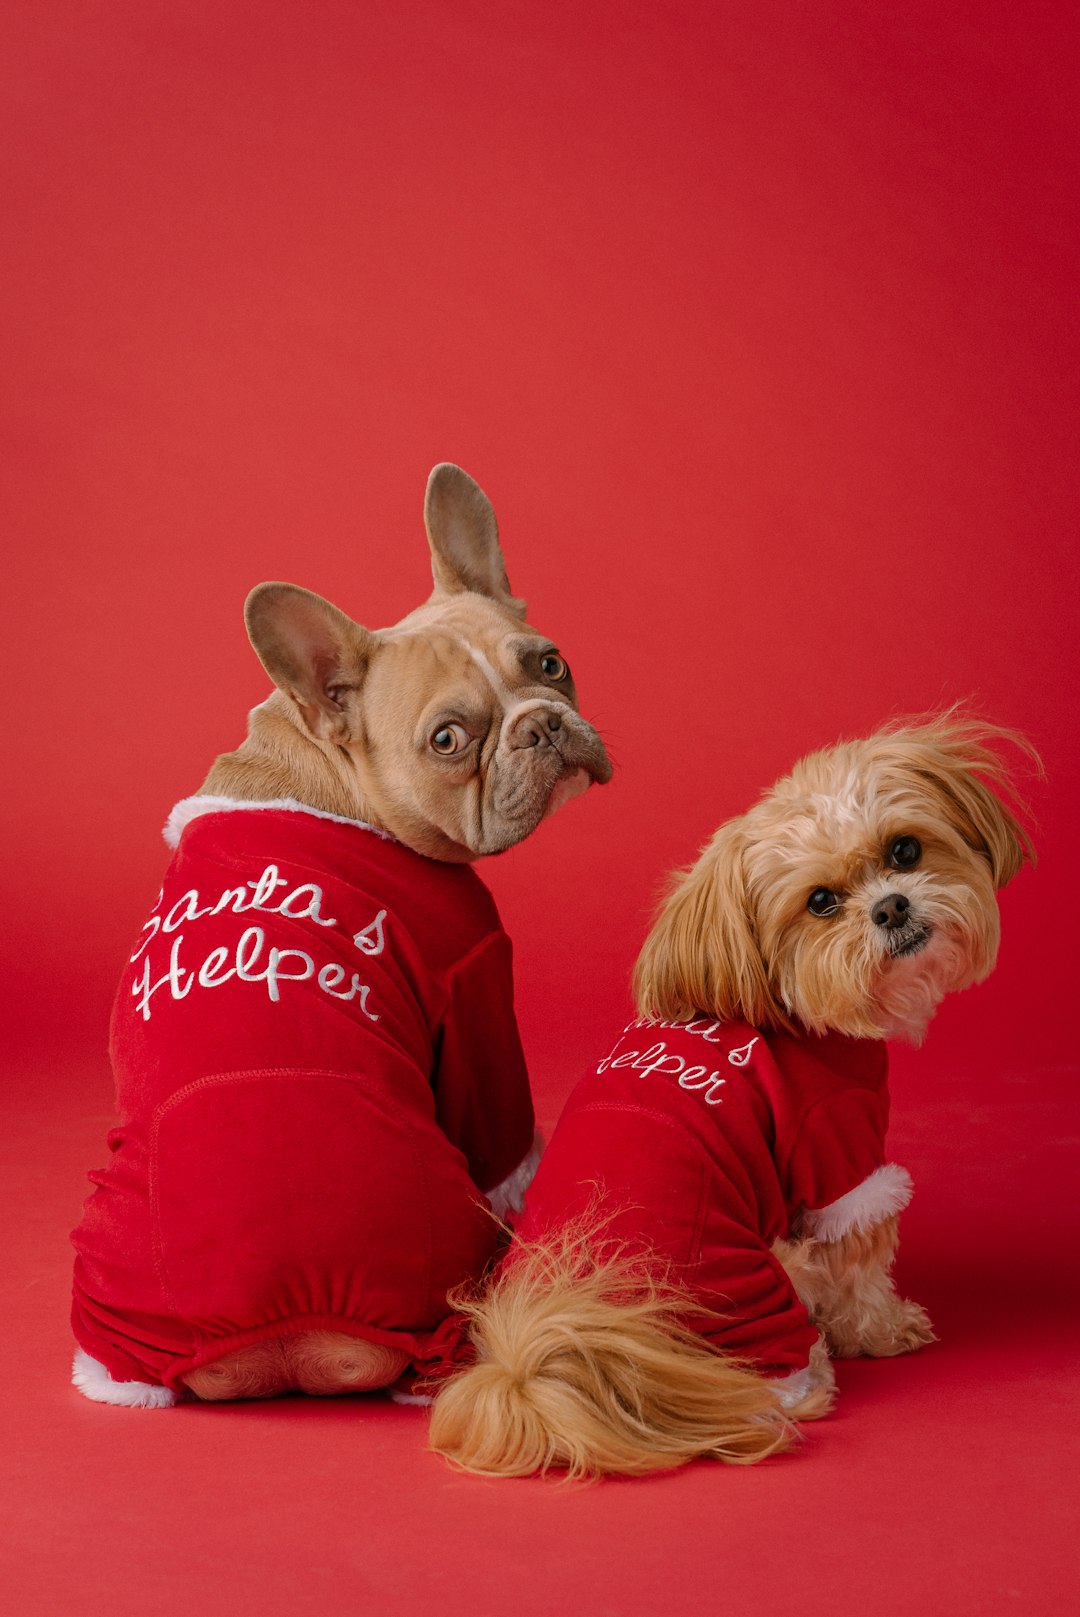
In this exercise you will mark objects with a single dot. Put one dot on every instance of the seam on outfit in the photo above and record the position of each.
(631, 1109)
(699, 1219)
(478, 948)
(273, 1330)
(444, 981)
(784, 1167)
(246, 1075)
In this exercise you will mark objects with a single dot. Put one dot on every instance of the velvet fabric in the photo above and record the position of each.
(703, 1143)
(318, 1072)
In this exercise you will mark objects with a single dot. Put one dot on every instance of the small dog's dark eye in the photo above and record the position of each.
(905, 853)
(823, 901)
(553, 667)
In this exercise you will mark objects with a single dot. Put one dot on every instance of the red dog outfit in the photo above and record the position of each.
(318, 1071)
(704, 1142)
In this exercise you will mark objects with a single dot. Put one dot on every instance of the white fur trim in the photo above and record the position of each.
(410, 1398)
(792, 1389)
(95, 1382)
(190, 808)
(509, 1197)
(886, 1191)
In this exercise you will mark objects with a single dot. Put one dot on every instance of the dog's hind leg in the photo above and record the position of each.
(260, 1371)
(320, 1363)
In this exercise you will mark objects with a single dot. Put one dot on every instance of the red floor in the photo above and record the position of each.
(942, 1485)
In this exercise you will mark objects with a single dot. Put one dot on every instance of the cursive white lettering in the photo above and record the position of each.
(310, 911)
(667, 1064)
(174, 977)
(213, 963)
(251, 961)
(741, 1056)
(371, 939)
(186, 908)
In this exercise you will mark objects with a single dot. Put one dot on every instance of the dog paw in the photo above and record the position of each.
(909, 1329)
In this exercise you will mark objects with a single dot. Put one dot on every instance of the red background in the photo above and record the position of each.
(758, 324)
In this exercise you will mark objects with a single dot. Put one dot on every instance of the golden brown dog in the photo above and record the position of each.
(738, 1125)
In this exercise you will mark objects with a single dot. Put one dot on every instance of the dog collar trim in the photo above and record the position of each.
(190, 808)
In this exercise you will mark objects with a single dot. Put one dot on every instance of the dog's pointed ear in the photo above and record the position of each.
(312, 651)
(464, 539)
(702, 953)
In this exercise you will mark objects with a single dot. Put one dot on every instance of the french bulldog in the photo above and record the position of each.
(318, 1070)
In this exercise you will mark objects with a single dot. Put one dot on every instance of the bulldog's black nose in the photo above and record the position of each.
(537, 728)
(891, 911)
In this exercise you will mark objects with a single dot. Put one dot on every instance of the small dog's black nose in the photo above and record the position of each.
(891, 911)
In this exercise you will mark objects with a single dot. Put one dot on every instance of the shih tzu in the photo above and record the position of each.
(715, 1214)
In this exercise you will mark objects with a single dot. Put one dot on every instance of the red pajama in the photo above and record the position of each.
(318, 1071)
(704, 1143)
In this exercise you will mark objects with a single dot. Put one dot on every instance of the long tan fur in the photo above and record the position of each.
(847, 1289)
(733, 937)
(703, 952)
(584, 1365)
(585, 1362)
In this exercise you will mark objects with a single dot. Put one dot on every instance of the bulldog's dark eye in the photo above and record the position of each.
(450, 738)
(553, 667)
(905, 853)
(823, 901)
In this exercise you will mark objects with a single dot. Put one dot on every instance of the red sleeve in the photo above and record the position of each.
(836, 1171)
(482, 1097)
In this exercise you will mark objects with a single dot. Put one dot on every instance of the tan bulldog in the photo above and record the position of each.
(454, 733)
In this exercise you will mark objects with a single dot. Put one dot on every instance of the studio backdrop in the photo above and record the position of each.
(761, 338)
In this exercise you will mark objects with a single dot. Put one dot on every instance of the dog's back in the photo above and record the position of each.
(283, 1143)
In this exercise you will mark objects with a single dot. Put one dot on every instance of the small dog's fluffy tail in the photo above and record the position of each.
(583, 1364)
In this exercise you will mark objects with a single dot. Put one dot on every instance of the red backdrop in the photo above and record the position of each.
(757, 322)
(757, 325)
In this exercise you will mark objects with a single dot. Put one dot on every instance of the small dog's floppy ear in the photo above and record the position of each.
(951, 754)
(702, 953)
(464, 538)
(312, 651)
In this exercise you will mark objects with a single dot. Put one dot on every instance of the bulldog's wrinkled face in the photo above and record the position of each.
(457, 730)
(471, 716)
